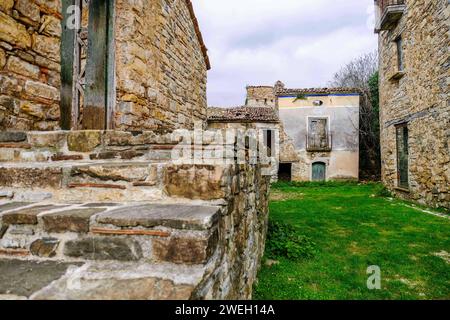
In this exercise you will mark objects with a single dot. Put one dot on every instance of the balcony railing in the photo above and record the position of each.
(389, 13)
(386, 3)
(319, 143)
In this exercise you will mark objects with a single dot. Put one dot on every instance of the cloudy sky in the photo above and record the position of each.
(301, 42)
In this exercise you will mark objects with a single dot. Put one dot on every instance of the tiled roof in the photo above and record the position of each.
(259, 87)
(199, 34)
(317, 91)
(242, 114)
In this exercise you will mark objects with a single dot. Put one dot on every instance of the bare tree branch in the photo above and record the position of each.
(357, 74)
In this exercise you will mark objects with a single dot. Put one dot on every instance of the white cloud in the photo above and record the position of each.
(301, 42)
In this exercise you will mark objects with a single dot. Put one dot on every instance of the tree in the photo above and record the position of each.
(362, 73)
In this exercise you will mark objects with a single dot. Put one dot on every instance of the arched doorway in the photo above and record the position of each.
(319, 171)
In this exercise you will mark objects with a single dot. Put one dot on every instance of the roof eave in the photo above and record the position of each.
(199, 34)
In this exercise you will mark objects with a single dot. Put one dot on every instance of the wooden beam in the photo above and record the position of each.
(68, 41)
(156, 233)
(111, 66)
(95, 105)
(96, 185)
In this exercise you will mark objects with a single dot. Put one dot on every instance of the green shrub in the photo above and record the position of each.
(283, 241)
(383, 192)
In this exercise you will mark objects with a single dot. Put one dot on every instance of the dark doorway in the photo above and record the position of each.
(402, 156)
(285, 172)
(319, 171)
(268, 141)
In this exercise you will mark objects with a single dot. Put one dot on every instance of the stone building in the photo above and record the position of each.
(105, 64)
(414, 98)
(260, 123)
(319, 131)
(99, 196)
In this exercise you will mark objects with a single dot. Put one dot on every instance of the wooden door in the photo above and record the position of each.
(319, 171)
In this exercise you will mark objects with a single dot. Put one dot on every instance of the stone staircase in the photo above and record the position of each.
(147, 237)
(128, 222)
(100, 166)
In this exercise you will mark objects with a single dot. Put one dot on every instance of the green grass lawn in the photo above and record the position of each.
(353, 229)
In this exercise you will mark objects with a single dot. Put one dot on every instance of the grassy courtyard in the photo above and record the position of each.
(353, 228)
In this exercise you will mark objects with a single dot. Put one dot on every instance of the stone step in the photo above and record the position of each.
(158, 233)
(59, 146)
(75, 181)
(52, 280)
(81, 181)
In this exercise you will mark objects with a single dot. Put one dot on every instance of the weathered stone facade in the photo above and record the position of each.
(417, 96)
(157, 66)
(30, 80)
(144, 228)
(111, 211)
(261, 96)
(161, 66)
(260, 122)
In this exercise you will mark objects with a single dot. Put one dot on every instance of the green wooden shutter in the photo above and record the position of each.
(319, 171)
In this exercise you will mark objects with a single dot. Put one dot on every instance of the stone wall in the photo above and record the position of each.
(30, 34)
(160, 64)
(420, 98)
(132, 222)
(258, 128)
(261, 96)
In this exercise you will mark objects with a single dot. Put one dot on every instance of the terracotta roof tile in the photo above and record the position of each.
(242, 114)
(317, 91)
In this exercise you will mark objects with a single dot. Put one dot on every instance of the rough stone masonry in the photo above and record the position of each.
(415, 94)
(144, 228)
(30, 64)
(100, 210)
(157, 73)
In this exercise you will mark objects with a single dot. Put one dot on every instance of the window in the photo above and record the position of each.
(318, 138)
(318, 103)
(265, 101)
(399, 45)
(402, 156)
(268, 141)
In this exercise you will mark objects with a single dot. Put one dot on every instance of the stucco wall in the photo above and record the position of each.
(342, 112)
(420, 98)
